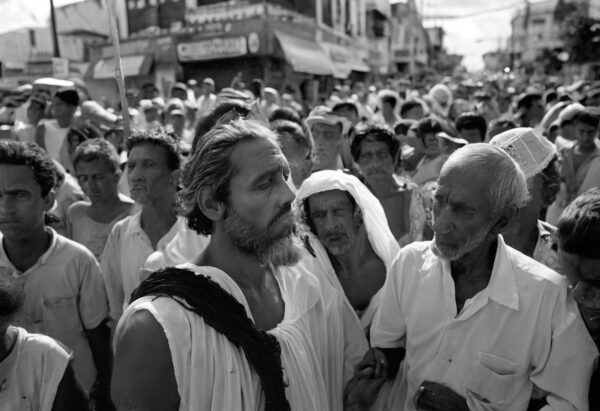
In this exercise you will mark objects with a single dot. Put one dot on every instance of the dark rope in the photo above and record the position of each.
(226, 315)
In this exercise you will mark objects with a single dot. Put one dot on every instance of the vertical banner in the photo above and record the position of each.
(114, 32)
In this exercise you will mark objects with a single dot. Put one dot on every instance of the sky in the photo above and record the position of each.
(469, 36)
(487, 29)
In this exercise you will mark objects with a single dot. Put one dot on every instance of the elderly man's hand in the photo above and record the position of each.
(432, 396)
(373, 365)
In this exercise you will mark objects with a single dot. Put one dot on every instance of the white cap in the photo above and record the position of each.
(530, 150)
(569, 112)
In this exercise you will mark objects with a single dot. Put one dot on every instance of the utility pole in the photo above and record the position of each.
(54, 35)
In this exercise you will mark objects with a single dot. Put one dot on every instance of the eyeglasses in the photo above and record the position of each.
(585, 294)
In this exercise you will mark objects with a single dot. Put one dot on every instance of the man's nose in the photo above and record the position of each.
(442, 221)
(7, 207)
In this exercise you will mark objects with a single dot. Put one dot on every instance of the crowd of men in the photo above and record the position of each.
(387, 248)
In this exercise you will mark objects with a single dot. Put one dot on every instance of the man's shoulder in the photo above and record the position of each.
(531, 274)
(78, 209)
(417, 253)
(124, 224)
(72, 251)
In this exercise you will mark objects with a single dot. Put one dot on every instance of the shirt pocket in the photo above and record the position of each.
(491, 380)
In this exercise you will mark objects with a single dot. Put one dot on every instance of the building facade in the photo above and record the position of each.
(409, 42)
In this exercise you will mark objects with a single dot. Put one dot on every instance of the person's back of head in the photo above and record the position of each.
(579, 226)
(208, 121)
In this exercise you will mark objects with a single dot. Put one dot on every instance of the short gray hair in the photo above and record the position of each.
(508, 187)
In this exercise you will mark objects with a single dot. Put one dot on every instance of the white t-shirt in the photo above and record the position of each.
(31, 373)
(64, 296)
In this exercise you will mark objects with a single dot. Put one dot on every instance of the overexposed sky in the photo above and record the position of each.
(470, 36)
(487, 28)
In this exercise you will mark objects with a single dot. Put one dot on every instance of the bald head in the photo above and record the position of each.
(479, 192)
(493, 169)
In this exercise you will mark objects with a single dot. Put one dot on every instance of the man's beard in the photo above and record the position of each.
(279, 251)
(456, 252)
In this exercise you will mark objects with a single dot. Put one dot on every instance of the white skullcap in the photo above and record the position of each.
(530, 150)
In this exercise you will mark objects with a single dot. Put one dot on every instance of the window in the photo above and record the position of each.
(32, 38)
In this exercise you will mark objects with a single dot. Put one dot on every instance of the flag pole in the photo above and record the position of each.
(114, 31)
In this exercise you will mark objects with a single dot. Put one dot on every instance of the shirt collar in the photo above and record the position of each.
(4, 260)
(503, 284)
(135, 224)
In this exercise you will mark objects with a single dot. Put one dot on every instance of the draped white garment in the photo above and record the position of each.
(213, 374)
(378, 231)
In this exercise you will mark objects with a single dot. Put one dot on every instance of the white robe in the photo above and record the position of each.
(214, 374)
(378, 231)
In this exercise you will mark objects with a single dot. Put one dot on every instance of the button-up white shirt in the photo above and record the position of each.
(125, 253)
(523, 329)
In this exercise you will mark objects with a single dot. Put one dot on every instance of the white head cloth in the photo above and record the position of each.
(380, 236)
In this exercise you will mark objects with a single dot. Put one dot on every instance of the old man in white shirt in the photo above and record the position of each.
(481, 324)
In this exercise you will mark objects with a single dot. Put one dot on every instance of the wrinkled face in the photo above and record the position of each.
(298, 157)
(584, 284)
(461, 210)
(97, 180)
(22, 206)
(61, 110)
(260, 218)
(472, 135)
(327, 143)
(335, 220)
(415, 113)
(148, 174)
(375, 160)
(432, 145)
(586, 134)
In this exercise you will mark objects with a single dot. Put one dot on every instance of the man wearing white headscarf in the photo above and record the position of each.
(351, 224)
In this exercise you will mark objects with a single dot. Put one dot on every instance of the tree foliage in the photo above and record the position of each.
(581, 36)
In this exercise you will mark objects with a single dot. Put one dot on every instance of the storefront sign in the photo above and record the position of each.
(213, 49)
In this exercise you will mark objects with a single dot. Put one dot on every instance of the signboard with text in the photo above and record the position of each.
(211, 49)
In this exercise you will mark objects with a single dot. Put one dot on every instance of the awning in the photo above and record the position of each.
(136, 65)
(305, 56)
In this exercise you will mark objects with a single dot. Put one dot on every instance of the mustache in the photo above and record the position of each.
(283, 212)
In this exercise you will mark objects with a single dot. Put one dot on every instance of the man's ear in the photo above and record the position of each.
(212, 208)
(49, 200)
(504, 219)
